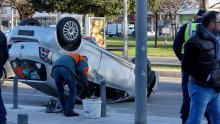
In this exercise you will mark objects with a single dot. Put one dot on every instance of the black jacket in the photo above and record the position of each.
(200, 59)
(180, 40)
(3, 51)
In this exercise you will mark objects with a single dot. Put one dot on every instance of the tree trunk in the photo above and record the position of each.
(20, 16)
(205, 5)
(156, 30)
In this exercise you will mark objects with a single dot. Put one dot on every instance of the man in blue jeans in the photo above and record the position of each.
(201, 60)
(3, 58)
(185, 32)
(65, 71)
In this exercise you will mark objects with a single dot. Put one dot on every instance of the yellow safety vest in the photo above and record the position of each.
(190, 30)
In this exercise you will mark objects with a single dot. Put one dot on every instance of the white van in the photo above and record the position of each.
(114, 30)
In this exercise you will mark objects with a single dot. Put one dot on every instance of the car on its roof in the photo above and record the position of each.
(34, 49)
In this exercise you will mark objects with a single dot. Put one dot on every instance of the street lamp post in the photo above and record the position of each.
(125, 51)
(12, 18)
(141, 63)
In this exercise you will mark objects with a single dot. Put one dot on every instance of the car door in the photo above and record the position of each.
(93, 53)
(118, 72)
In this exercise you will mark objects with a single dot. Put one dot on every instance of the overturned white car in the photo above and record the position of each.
(34, 49)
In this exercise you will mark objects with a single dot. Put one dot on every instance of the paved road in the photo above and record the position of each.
(164, 60)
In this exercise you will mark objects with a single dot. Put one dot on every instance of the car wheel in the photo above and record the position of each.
(2, 79)
(150, 77)
(68, 31)
(151, 86)
(30, 22)
(133, 34)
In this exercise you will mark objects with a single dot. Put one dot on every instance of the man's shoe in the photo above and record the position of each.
(70, 114)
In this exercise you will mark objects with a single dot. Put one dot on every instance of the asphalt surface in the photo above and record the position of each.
(166, 61)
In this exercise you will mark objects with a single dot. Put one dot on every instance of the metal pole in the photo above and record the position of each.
(103, 97)
(22, 119)
(12, 18)
(125, 52)
(141, 63)
(16, 18)
(15, 90)
(58, 16)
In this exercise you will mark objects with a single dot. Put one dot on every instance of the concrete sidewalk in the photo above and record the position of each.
(37, 115)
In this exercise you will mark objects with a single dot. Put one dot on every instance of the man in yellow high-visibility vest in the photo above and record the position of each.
(185, 32)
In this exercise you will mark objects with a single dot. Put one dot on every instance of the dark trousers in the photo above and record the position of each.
(185, 108)
(2, 110)
(186, 99)
(64, 76)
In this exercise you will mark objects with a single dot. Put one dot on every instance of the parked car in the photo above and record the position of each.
(34, 49)
(7, 32)
(131, 30)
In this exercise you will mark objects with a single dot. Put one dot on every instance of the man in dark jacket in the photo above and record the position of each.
(66, 70)
(3, 59)
(201, 61)
(185, 32)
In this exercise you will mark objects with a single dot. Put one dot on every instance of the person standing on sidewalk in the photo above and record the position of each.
(185, 32)
(201, 60)
(66, 70)
(3, 58)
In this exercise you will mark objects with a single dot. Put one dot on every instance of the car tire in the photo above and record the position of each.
(133, 34)
(68, 31)
(150, 78)
(30, 22)
(2, 79)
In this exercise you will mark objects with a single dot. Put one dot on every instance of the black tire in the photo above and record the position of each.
(30, 22)
(133, 34)
(151, 78)
(2, 79)
(152, 84)
(68, 31)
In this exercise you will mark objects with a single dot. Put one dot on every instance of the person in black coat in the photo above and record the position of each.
(178, 44)
(3, 58)
(201, 60)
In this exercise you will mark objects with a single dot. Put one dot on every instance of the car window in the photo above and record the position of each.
(29, 70)
(91, 40)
